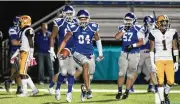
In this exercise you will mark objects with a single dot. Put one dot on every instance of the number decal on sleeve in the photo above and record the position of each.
(82, 39)
(127, 36)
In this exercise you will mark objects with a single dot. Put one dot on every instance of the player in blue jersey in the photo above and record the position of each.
(83, 32)
(130, 53)
(149, 24)
(14, 45)
(67, 68)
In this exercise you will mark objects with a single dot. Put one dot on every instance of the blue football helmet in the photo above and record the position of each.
(68, 13)
(149, 22)
(129, 19)
(83, 18)
(16, 20)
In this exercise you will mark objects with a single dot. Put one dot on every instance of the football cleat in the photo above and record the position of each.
(162, 102)
(57, 94)
(89, 94)
(131, 90)
(83, 93)
(51, 91)
(125, 95)
(34, 92)
(166, 97)
(7, 85)
(118, 96)
(69, 97)
(19, 91)
(23, 95)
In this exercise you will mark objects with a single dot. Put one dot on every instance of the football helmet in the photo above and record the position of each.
(83, 18)
(162, 22)
(24, 20)
(149, 22)
(129, 19)
(16, 20)
(68, 13)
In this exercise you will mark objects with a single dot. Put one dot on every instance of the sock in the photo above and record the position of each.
(70, 83)
(161, 93)
(18, 88)
(24, 86)
(51, 84)
(31, 84)
(150, 86)
(119, 89)
(157, 100)
(156, 88)
(127, 91)
(60, 81)
(167, 89)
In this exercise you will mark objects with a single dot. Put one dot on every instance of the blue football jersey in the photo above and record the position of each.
(13, 34)
(62, 26)
(130, 37)
(145, 32)
(83, 38)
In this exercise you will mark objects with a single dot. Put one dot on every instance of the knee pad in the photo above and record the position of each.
(121, 74)
(130, 76)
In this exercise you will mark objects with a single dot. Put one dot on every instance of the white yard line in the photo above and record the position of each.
(95, 90)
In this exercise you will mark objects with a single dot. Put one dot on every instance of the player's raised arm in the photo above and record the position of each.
(122, 31)
(175, 51)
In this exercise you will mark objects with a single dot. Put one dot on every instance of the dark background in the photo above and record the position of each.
(35, 9)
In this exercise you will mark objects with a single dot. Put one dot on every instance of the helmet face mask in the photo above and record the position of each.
(128, 22)
(83, 21)
(16, 21)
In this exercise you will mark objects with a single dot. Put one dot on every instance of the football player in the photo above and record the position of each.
(67, 68)
(83, 32)
(130, 53)
(26, 51)
(149, 24)
(14, 45)
(162, 41)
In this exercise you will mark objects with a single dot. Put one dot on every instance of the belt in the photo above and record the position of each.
(145, 51)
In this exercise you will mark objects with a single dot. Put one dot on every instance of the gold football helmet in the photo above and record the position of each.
(162, 22)
(24, 20)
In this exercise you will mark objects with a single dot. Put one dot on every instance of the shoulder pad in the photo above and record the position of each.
(29, 31)
(12, 31)
(58, 21)
(72, 27)
(120, 28)
(75, 20)
(94, 26)
(173, 30)
(137, 27)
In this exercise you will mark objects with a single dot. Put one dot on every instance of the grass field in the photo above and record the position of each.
(99, 96)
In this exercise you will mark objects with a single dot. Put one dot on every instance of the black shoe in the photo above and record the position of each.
(83, 93)
(166, 97)
(125, 95)
(118, 96)
(89, 94)
(19, 91)
(7, 85)
(162, 102)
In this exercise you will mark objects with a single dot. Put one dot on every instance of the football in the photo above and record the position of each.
(65, 52)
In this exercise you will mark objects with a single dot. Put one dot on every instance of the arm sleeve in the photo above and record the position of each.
(30, 35)
(151, 37)
(175, 36)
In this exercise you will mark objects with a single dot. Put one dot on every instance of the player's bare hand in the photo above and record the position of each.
(99, 58)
